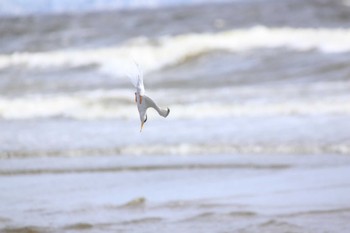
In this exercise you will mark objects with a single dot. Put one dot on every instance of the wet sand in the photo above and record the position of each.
(216, 193)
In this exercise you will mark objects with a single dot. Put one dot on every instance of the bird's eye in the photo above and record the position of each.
(145, 120)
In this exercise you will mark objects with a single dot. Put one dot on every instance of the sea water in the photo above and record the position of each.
(257, 138)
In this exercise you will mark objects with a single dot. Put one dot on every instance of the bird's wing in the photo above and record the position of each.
(151, 104)
(136, 79)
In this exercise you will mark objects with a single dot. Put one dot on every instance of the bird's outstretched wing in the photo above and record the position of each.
(149, 103)
(136, 79)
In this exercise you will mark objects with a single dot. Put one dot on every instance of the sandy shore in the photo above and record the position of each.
(223, 193)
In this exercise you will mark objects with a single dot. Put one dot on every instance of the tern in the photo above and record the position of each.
(144, 102)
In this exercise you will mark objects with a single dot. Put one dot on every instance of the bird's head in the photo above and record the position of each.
(143, 118)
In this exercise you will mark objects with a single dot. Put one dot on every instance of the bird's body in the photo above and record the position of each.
(144, 102)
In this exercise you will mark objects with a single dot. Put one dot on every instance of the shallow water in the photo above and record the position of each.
(258, 135)
(243, 193)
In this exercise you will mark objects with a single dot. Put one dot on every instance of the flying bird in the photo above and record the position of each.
(144, 102)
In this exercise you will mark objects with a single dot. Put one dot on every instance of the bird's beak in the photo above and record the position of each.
(142, 126)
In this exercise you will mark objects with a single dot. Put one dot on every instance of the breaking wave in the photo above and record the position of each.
(81, 105)
(157, 54)
(91, 105)
(180, 149)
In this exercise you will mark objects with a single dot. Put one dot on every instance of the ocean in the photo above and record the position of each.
(257, 139)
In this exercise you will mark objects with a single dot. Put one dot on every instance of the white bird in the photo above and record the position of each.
(144, 102)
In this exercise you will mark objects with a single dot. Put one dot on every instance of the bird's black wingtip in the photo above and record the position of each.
(168, 112)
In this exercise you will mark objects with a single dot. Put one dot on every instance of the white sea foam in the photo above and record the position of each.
(119, 105)
(171, 50)
(85, 105)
